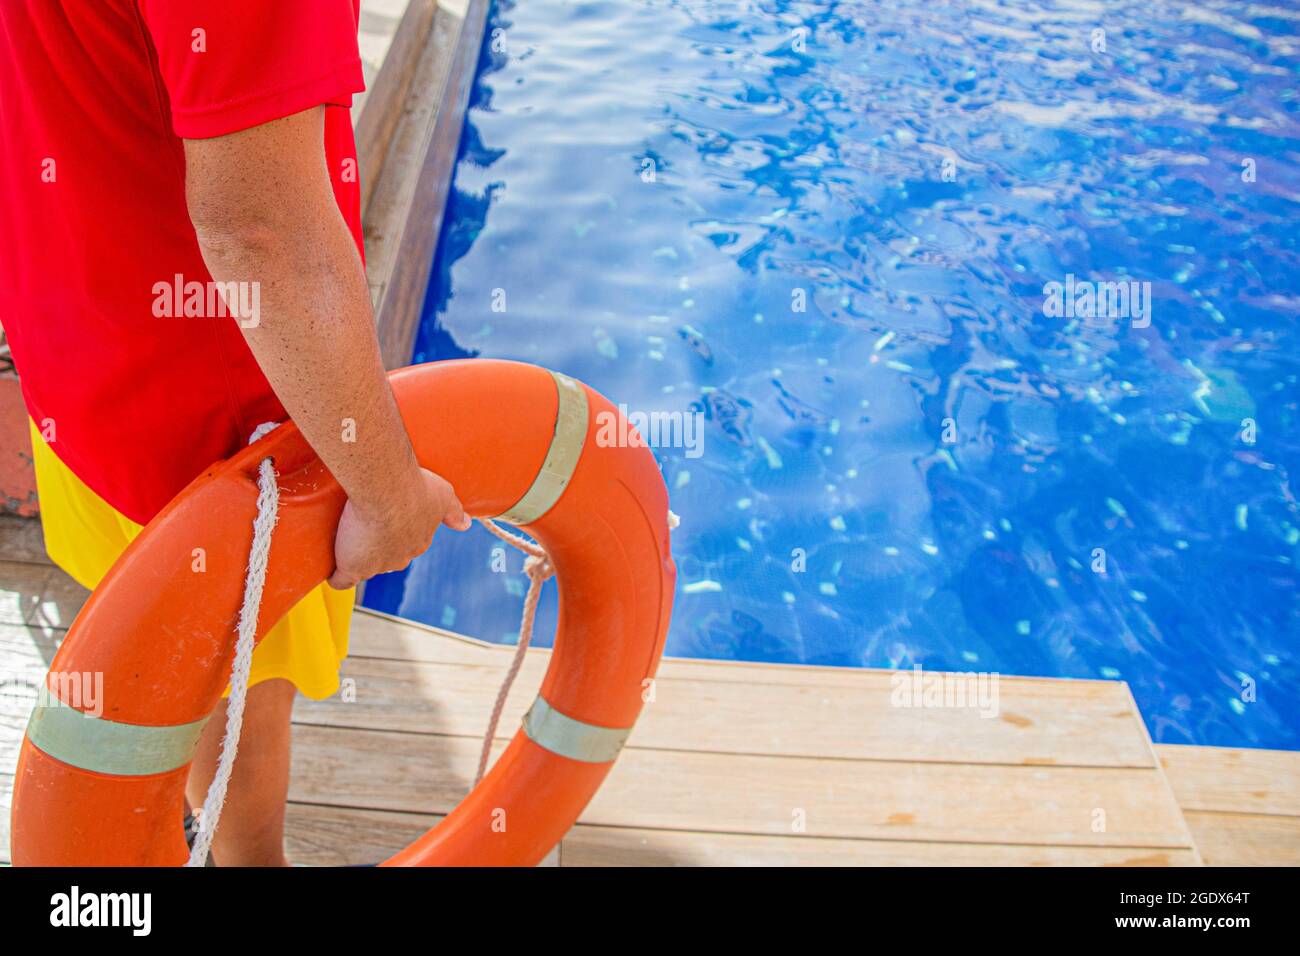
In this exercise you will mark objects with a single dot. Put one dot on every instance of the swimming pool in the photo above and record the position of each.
(825, 230)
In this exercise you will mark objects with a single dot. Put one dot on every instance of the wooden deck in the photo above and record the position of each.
(735, 763)
(407, 136)
(1243, 806)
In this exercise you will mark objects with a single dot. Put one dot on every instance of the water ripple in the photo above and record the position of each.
(827, 228)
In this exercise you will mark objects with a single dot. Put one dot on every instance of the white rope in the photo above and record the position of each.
(268, 507)
(538, 567)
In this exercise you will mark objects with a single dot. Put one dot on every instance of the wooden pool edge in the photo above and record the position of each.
(408, 137)
(1238, 806)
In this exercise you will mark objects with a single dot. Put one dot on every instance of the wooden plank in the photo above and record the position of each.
(1165, 786)
(6, 801)
(21, 540)
(1234, 780)
(393, 191)
(1245, 839)
(376, 32)
(1035, 723)
(13, 724)
(22, 668)
(38, 594)
(23, 646)
(21, 587)
(406, 283)
(24, 659)
(386, 97)
(44, 639)
(379, 635)
(615, 846)
(769, 795)
(889, 800)
(60, 603)
(344, 836)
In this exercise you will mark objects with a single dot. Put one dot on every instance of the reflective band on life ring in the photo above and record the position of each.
(514, 441)
(562, 457)
(575, 739)
(106, 746)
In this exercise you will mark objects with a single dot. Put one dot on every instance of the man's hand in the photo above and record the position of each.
(264, 211)
(370, 543)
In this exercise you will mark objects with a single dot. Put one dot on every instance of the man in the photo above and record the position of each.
(153, 150)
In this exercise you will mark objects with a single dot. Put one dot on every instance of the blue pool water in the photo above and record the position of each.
(826, 228)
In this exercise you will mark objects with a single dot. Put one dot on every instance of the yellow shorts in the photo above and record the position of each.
(84, 535)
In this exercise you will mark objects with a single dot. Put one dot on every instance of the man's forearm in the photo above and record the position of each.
(314, 340)
(264, 211)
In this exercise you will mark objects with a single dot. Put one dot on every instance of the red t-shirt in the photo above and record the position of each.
(95, 98)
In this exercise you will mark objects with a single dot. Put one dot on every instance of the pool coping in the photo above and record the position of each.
(408, 135)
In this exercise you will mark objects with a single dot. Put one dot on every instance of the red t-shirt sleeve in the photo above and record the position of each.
(232, 64)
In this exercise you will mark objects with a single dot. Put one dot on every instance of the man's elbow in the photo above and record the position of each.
(228, 230)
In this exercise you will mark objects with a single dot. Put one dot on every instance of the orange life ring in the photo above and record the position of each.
(517, 442)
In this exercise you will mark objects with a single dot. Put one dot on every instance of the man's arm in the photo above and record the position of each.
(264, 211)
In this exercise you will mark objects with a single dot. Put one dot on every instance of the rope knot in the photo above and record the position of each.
(538, 567)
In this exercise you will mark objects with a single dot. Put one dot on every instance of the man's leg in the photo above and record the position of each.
(84, 535)
(251, 830)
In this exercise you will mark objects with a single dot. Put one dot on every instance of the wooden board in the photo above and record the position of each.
(331, 836)
(736, 793)
(379, 635)
(38, 594)
(1235, 780)
(1242, 805)
(405, 208)
(23, 643)
(694, 710)
(23, 586)
(1245, 839)
(6, 797)
(386, 98)
(21, 540)
(616, 846)
(22, 669)
(391, 193)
